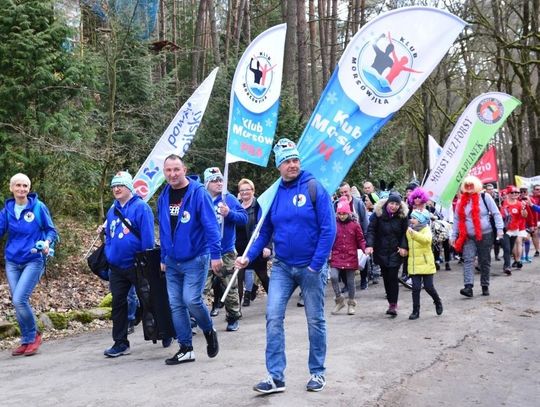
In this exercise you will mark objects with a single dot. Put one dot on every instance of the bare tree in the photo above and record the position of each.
(301, 35)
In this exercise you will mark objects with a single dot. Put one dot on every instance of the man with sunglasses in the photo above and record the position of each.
(229, 213)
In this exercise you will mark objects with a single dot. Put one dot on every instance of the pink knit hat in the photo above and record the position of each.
(343, 205)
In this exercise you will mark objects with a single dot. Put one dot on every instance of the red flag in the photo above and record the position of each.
(486, 167)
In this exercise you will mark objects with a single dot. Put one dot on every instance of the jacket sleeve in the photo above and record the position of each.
(404, 226)
(267, 230)
(161, 222)
(146, 227)
(327, 229)
(372, 230)
(208, 219)
(360, 241)
(423, 237)
(48, 226)
(3, 222)
(237, 214)
(492, 207)
(362, 214)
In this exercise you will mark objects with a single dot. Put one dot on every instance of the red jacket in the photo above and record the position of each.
(349, 238)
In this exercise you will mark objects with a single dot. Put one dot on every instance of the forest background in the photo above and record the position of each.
(87, 87)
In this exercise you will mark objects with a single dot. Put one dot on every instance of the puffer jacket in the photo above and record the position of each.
(421, 259)
(387, 233)
(349, 238)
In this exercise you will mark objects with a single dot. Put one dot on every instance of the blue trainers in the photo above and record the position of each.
(118, 349)
(270, 385)
(316, 383)
(233, 326)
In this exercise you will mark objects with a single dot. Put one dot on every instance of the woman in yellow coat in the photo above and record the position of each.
(421, 263)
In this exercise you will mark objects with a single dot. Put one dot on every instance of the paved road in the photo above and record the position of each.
(482, 351)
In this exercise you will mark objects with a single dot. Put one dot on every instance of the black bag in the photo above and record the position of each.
(98, 263)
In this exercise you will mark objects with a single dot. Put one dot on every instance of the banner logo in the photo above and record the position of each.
(384, 66)
(29, 216)
(490, 111)
(299, 200)
(258, 77)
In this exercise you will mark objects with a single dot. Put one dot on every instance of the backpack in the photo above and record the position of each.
(440, 230)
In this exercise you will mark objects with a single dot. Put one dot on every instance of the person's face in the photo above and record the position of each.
(418, 202)
(392, 207)
(469, 187)
(523, 193)
(246, 192)
(414, 221)
(368, 203)
(368, 188)
(20, 189)
(345, 191)
(536, 190)
(342, 216)
(290, 169)
(490, 190)
(215, 187)
(408, 192)
(175, 173)
(121, 193)
(513, 195)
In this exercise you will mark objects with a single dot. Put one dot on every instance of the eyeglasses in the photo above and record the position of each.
(514, 192)
(217, 180)
(117, 186)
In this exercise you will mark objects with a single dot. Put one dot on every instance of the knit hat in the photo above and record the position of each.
(284, 150)
(343, 205)
(211, 174)
(422, 217)
(394, 197)
(411, 186)
(123, 178)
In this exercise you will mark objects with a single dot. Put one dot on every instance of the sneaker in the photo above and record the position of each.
(247, 299)
(363, 284)
(514, 264)
(375, 280)
(527, 260)
(270, 385)
(508, 271)
(233, 326)
(19, 350)
(536, 253)
(467, 292)
(316, 383)
(519, 264)
(118, 349)
(214, 312)
(392, 310)
(485, 290)
(447, 267)
(406, 281)
(185, 354)
(166, 342)
(32, 348)
(131, 327)
(212, 344)
(300, 302)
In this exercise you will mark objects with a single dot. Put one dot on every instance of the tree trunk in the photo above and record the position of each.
(302, 82)
(213, 31)
(290, 46)
(315, 89)
(333, 35)
(323, 35)
(198, 43)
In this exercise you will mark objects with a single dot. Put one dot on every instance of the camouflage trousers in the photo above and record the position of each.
(232, 301)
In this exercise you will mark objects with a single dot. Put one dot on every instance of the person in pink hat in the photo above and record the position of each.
(344, 256)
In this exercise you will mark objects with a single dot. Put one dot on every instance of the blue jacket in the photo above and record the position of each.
(23, 233)
(237, 216)
(303, 234)
(197, 231)
(120, 243)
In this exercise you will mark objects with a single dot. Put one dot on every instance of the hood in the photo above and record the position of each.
(380, 209)
(10, 203)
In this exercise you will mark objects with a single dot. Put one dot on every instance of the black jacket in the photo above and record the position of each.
(385, 234)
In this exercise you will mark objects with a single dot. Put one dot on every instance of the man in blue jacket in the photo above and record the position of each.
(122, 242)
(229, 214)
(302, 223)
(190, 240)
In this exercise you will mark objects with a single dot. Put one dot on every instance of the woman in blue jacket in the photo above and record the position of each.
(26, 220)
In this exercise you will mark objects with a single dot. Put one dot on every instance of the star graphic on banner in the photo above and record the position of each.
(331, 98)
(236, 142)
(337, 167)
(274, 114)
(325, 181)
(323, 168)
(269, 123)
(309, 139)
(237, 112)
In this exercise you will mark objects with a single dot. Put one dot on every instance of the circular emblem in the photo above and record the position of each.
(258, 77)
(385, 65)
(186, 217)
(490, 110)
(29, 216)
(299, 200)
(141, 188)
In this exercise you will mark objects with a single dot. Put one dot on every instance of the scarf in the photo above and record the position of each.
(474, 198)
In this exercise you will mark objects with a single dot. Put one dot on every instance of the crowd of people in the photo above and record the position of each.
(310, 237)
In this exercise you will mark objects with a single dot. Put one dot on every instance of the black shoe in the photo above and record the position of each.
(437, 266)
(185, 354)
(254, 291)
(485, 290)
(247, 299)
(467, 291)
(414, 315)
(508, 271)
(212, 344)
(447, 267)
(497, 258)
(214, 312)
(515, 264)
(131, 327)
(438, 307)
(519, 264)
(536, 253)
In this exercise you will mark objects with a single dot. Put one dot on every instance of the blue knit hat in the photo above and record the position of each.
(123, 178)
(284, 150)
(422, 217)
(211, 174)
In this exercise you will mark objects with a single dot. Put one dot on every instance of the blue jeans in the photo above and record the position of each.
(22, 279)
(283, 281)
(185, 285)
(132, 303)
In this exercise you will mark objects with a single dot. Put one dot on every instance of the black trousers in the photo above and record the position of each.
(120, 281)
(417, 288)
(391, 283)
(261, 272)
